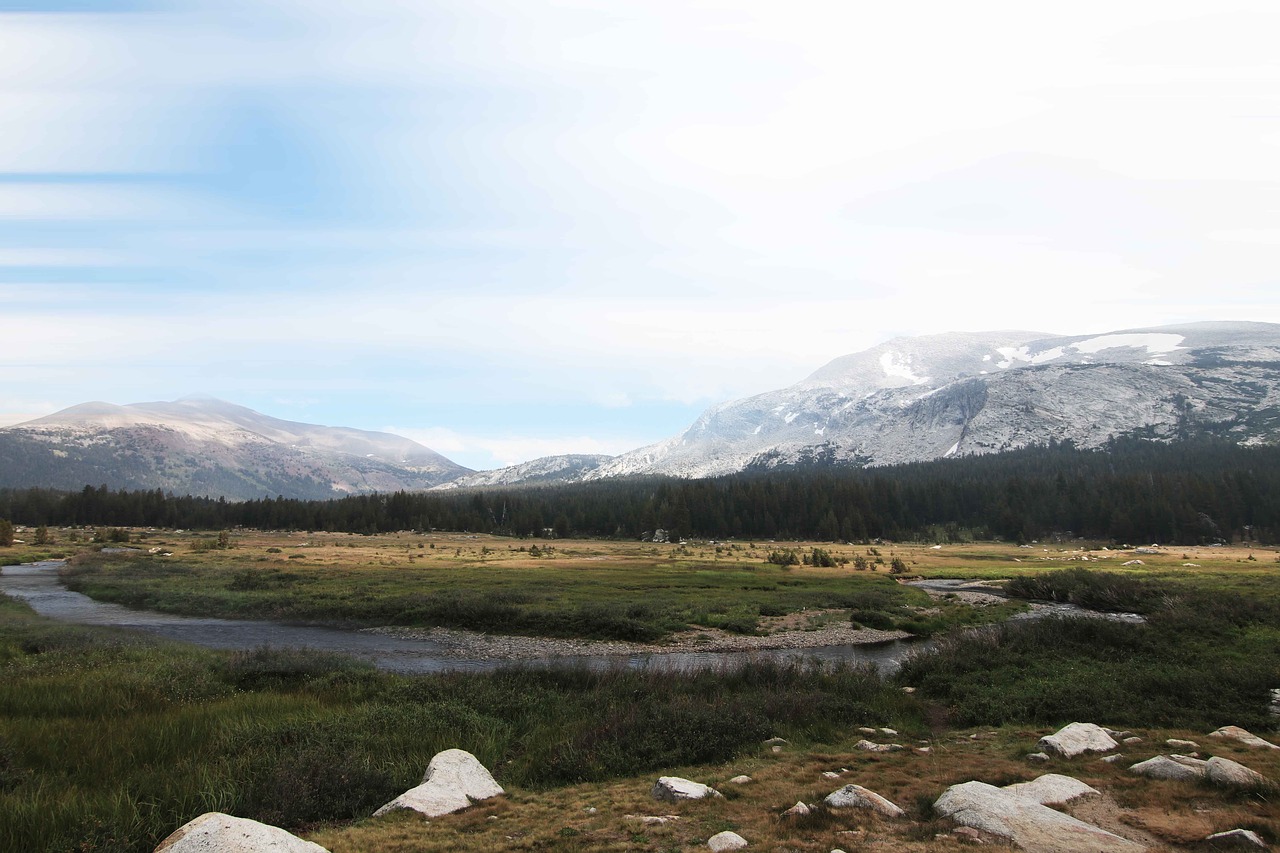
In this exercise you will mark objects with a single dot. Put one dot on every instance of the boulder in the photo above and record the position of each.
(1181, 744)
(1233, 774)
(215, 832)
(830, 774)
(1025, 822)
(1077, 739)
(1162, 767)
(858, 797)
(1246, 838)
(673, 788)
(726, 841)
(868, 746)
(798, 810)
(1038, 757)
(454, 780)
(1245, 737)
(741, 780)
(1051, 789)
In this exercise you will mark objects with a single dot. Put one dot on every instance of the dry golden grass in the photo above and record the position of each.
(1162, 814)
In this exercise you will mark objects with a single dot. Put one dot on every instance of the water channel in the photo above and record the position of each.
(37, 584)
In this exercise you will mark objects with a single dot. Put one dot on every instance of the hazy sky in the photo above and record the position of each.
(509, 228)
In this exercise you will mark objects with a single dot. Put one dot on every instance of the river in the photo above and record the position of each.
(38, 585)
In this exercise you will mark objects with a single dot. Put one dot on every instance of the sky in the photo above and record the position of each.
(513, 228)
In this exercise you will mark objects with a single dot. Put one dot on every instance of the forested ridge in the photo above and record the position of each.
(1196, 491)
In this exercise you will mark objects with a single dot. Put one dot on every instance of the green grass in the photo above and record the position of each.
(110, 740)
(1207, 656)
(631, 600)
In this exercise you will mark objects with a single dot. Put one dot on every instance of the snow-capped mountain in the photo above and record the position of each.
(545, 469)
(914, 399)
(203, 446)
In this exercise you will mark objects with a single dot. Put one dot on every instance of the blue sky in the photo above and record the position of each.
(509, 228)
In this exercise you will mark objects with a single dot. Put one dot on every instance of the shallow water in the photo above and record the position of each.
(38, 585)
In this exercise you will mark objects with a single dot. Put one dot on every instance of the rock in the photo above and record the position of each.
(1037, 756)
(726, 841)
(215, 832)
(1051, 789)
(1245, 838)
(858, 797)
(908, 690)
(1112, 759)
(776, 741)
(798, 810)
(1131, 739)
(1232, 774)
(1077, 739)
(889, 732)
(741, 780)
(1162, 767)
(1181, 744)
(652, 820)
(454, 780)
(866, 730)
(969, 835)
(868, 746)
(776, 748)
(1025, 822)
(924, 750)
(673, 788)
(1117, 734)
(1247, 738)
(830, 774)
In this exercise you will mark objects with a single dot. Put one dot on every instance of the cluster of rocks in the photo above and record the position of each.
(473, 645)
(1021, 813)
(455, 779)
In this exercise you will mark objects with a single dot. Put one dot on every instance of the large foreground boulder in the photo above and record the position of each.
(1025, 822)
(215, 832)
(726, 841)
(1077, 739)
(858, 797)
(454, 780)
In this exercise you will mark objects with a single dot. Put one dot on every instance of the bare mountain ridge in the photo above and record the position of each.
(205, 446)
(919, 398)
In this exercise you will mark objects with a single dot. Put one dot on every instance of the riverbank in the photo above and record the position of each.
(476, 645)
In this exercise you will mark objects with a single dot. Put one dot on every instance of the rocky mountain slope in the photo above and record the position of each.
(913, 399)
(209, 447)
(920, 398)
(546, 469)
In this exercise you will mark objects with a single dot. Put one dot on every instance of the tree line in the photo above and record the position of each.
(1197, 491)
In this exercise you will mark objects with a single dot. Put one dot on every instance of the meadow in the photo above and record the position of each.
(109, 740)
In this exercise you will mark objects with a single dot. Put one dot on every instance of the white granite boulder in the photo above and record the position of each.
(673, 788)
(1245, 838)
(800, 809)
(454, 780)
(214, 832)
(1243, 736)
(1163, 767)
(1025, 822)
(858, 797)
(1051, 789)
(1233, 774)
(1077, 739)
(726, 841)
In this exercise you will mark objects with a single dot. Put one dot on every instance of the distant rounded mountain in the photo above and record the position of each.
(204, 446)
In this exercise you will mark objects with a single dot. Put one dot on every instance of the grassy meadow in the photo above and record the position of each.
(109, 740)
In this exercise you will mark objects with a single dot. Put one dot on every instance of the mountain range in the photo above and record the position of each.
(203, 446)
(907, 400)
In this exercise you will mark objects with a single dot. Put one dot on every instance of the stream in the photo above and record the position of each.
(38, 585)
